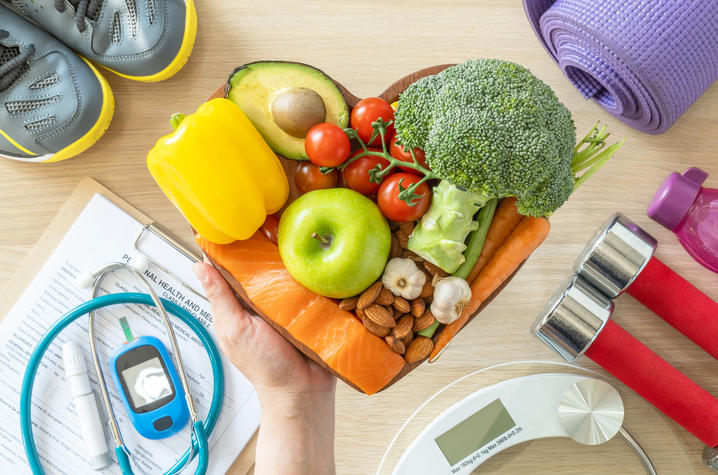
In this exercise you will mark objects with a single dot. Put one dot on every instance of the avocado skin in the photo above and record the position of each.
(258, 106)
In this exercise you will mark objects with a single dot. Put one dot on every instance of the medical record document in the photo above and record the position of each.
(104, 233)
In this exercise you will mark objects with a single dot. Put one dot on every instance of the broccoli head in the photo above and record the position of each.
(492, 127)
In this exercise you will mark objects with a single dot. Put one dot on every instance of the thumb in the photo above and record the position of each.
(230, 318)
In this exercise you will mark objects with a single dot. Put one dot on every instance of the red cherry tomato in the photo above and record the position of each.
(394, 208)
(356, 174)
(270, 227)
(308, 177)
(367, 111)
(397, 151)
(327, 145)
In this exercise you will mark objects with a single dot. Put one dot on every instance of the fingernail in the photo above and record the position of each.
(200, 271)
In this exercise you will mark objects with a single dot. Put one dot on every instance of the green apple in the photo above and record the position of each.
(335, 242)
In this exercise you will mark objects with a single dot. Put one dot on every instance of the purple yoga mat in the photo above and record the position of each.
(644, 61)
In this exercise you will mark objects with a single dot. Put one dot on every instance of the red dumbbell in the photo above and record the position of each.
(620, 258)
(577, 321)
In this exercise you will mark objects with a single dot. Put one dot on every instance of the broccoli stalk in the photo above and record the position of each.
(443, 244)
(441, 234)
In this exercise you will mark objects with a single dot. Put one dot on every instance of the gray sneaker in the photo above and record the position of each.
(144, 40)
(53, 104)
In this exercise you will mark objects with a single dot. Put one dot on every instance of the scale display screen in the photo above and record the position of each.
(474, 432)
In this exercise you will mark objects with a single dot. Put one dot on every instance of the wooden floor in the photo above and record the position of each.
(366, 46)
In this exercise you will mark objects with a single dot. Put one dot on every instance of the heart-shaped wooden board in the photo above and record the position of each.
(391, 94)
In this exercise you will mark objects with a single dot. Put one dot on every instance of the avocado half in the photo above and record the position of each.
(254, 87)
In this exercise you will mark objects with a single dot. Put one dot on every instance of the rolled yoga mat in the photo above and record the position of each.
(644, 61)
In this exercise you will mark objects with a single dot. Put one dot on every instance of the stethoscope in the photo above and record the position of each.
(200, 430)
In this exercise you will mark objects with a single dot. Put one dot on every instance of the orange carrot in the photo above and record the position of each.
(505, 220)
(524, 240)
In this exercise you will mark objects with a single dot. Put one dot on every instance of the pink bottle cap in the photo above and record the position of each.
(675, 197)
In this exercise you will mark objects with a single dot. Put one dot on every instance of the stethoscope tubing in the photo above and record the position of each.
(202, 430)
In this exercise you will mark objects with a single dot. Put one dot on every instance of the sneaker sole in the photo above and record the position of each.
(87, 140)
(190, 33)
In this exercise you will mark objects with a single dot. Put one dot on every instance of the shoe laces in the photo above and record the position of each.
(13, 61)
(84, 10)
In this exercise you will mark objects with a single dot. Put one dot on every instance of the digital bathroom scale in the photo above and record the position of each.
(534, 417)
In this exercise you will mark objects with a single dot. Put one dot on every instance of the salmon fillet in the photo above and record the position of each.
(336, 336)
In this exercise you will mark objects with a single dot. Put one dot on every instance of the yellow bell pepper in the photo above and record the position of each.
(219, 172)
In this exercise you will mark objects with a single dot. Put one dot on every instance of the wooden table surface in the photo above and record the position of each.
(365, 46)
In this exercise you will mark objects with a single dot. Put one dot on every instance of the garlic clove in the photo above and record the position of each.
(403, 278)
(451, 296)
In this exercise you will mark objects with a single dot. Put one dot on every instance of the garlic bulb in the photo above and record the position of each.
(403, 278)
(451, 295)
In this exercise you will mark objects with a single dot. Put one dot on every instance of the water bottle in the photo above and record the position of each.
(690, 210)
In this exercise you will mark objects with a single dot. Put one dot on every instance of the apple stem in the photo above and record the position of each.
(322, 240)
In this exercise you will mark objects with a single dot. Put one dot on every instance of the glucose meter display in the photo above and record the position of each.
(145, 379)
(147, 382)
(474, 432)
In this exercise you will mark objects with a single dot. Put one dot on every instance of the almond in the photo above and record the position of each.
(419, 348)
(385, 297)
(401, 304)
(403, 327)
(425, 321)
(395, 344)
(397, 314)
(395, 248)
(378, 330)
(369, 295)
(427, 291)
(407, 339)
(403, 238)
(434, 270)
(380, 316)
(348, 304)
(407, 227)
(415, 258)
(417, 307)
(360, 313)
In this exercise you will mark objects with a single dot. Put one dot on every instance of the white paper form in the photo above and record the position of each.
(104, 233)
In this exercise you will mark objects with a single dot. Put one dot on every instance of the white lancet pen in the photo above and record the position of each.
(88, 414)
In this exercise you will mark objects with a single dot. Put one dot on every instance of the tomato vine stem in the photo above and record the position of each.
(377, 174)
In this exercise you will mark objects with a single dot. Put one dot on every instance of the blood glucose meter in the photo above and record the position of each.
(149, 387)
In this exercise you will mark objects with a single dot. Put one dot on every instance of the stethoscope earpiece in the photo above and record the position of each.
(85, 280)
(140, 263)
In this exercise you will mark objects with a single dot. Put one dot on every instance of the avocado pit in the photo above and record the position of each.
(297, 110)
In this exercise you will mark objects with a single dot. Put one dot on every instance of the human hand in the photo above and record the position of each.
(271, 363)
(297, 396)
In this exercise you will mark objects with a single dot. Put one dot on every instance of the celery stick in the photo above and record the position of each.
(477, 239)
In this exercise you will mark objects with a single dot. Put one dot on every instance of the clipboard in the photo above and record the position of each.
(50, 239)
